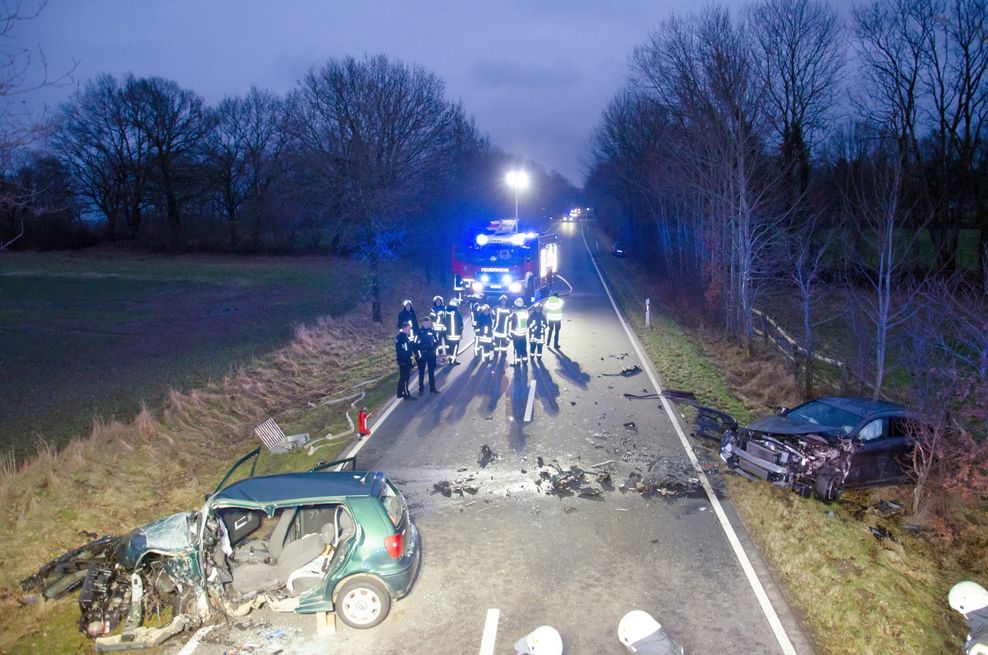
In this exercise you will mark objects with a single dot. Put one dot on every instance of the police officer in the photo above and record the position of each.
(406, 315)
(971, 600)
(404, 352)
(519, 331)
(454, 328)
(484, 333)
(500, 316)
(554, 315)
(437, 312)
(537, 326)
(426, 343)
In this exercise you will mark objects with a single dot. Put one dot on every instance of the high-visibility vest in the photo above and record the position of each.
(554, 309)
(520, 328)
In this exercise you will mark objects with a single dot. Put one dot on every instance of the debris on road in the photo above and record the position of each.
(628, 372)
(487, 456)
(886, 508)
(630, 426)
(460, 486)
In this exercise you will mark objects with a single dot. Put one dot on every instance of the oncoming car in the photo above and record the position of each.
(825, 446)
(306, 542)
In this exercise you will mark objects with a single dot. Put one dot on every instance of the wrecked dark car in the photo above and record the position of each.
(305, 542)
(825, 446)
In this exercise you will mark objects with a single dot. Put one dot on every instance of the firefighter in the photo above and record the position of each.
(971, 600)
(485, 333)
(537, 326)
(407, 314)
(437, 312)
(404, 353)
(554, 315)
(426, 343)
(454, 328)
(519, 332)
(499, 317)
(475, 312)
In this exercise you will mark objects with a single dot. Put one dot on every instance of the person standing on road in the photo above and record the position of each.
(971, 600)
(437, 312)
(484, 333)
(404, 352)
(554, 316)
(537, 326)
(500, 316)
(519, 332)
(407, 315)
(454, 328)
(426, 343)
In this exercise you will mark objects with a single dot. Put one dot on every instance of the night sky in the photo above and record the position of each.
(535, 75)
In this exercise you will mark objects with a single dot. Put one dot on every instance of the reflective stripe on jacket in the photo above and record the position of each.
(501, 316)
(519, 323)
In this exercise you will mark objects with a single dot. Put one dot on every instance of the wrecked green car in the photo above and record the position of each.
(307, 542)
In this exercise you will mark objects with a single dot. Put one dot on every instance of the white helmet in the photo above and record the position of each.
(635, 626)
(967, 596)
(454, 302)
(406, 301)
(519, 303)
(438, 299)
(503, 298)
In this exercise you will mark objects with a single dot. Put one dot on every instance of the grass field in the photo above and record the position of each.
(856, 594)
(97, 332)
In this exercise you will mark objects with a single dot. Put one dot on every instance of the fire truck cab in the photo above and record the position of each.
(504, 259)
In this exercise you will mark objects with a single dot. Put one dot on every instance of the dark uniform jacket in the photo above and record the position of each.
(485, 326)
(438, 315)
(408, 315)
(454, 324)
(977, 623)
(500, 317)
(404, 349)
(537, 326)
(426, 342)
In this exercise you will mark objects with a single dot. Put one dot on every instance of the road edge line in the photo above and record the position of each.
(781, 636)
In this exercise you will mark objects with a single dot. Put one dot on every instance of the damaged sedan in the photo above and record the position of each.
(305, 542)
(825, 446)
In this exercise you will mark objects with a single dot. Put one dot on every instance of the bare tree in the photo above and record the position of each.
(801, 48)
(175, 125)
(374, 137)
(807, 250)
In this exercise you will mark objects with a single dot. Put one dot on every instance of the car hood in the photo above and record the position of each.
(785, 425)
(170, 535)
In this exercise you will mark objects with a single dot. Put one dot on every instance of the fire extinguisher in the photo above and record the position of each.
(362, 422)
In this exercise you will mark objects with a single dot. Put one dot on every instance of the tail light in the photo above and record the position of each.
(393, 545)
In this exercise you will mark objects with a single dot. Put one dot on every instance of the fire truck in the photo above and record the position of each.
(502, 258)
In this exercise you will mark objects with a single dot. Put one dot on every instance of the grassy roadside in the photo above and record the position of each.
(124, 474)
(856, 594)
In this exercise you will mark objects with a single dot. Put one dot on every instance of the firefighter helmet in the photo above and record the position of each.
(502, 299)
(454, 302)
(519, 303)
(438, 299)
(485, 308)
(406, 303)
(967, 596)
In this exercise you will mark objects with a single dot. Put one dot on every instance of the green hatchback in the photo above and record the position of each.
(338, 541)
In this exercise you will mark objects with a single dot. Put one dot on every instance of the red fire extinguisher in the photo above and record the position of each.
(362, 422)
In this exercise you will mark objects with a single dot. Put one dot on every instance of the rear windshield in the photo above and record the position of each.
(820, 413)
(394, 504)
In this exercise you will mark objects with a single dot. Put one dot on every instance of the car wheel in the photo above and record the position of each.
(363, 603)
(829, 487)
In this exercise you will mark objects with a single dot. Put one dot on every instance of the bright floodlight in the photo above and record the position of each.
(517, 179)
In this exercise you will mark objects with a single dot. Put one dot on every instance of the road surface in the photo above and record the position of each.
(573, 562)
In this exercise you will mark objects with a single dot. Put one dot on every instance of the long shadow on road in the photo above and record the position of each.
(496, 385)
(546, 388)
(571, 370)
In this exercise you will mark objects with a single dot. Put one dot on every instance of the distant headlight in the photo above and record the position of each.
(485, 278)
(477, 287)
(514, 287)
(506, 279)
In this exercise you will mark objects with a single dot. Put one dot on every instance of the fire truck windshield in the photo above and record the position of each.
(495, 254)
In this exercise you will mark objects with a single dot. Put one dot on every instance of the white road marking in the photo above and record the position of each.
(490, 632)
(531, 402)
(756, 585)
(373, 428)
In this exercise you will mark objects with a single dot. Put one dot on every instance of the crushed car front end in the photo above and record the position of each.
(802, 461)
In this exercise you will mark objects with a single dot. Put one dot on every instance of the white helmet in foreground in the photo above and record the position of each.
(967, 596)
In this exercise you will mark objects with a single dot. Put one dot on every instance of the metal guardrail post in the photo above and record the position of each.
(648, 312)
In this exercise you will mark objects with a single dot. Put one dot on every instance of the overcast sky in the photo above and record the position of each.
(534, 74)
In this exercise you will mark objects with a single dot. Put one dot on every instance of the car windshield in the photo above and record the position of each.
(819, 412)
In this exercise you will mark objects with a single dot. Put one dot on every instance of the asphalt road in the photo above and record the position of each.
(573, 562)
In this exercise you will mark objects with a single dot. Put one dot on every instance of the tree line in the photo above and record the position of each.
(365, 157)
(782, 151)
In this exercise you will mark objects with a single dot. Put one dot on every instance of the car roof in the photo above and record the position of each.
(863, 406)
(284, 487)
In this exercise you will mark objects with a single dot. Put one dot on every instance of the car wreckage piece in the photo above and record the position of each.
(355, 535)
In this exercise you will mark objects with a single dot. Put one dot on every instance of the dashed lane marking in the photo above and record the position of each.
(490, 632)
(531, 402)
(756, 585)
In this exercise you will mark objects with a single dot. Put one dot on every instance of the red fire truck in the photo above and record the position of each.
(502, 258)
